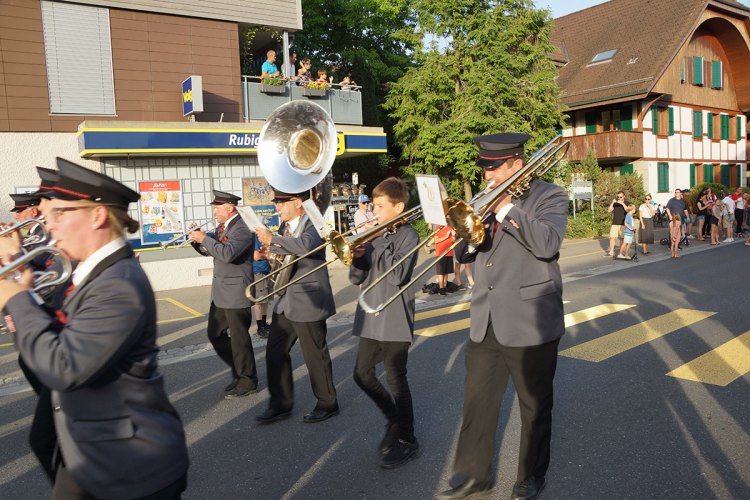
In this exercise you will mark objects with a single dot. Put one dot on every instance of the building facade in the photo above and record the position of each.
(659, 88)
(101, 83)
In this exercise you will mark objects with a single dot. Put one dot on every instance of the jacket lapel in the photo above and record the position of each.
(121, 253)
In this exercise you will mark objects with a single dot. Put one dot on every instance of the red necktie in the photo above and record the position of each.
(219, 231)
(287, 230)
(69, 290)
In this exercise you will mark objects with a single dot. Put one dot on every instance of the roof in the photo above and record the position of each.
(646, 33)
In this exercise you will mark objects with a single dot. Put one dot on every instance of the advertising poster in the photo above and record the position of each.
(258, 193)
(161, 211)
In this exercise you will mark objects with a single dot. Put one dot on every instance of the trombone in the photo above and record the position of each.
(191, 228)
(467, 219)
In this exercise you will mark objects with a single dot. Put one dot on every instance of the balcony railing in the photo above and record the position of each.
(618, 144)
(344, 106)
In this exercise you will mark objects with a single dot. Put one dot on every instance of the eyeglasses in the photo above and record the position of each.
(648, 199)
(56, 212)
(620, 197)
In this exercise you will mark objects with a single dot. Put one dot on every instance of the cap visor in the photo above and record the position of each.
(490, 163)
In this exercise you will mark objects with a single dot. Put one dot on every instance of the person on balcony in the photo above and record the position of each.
(269, 68)
(303, 74)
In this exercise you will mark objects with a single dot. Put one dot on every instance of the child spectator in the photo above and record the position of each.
(675, 233)
(322, 77)
(627, 232)
(346, 83)
(444, 266)
(303, 73)
(385, 338)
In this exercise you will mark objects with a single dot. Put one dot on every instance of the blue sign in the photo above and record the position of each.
(192, 95)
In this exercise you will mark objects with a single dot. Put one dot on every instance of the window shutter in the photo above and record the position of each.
(591, 127)
(739, 128)
(710, 125)
(716, 75)
(670, 111)
(655, 120)
(626, 169)
(697, 71)
(698, 124)
(78, 59)
(626, 118)
(724, 127)
(726, 176)
(663, 177)
(692, 174)
(708, 172)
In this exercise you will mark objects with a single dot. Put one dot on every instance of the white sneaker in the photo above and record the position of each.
(691, 237)
(728, 240)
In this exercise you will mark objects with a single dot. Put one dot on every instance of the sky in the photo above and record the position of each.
(563, 7)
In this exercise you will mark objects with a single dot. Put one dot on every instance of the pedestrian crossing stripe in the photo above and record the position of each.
(720, 366)
(463, 306)
(605, 347)
(593, 313)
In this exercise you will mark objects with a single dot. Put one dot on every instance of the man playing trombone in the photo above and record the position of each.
(232, 246)
(516, 323)
(300, 313)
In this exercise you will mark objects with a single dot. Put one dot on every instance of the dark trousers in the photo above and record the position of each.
(312, 339)
(67, 489)
(394, 355)
(738, 216)
(488, 366)
(42, 436)
(236, 350)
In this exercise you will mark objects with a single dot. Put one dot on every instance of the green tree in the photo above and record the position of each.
(490, 73)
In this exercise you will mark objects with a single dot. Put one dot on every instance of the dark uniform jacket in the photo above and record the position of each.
(311, 299)
(396, 322)
(517, 278)
(233, 264)
(118, 433)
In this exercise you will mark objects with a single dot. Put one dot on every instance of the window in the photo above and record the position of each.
(698, 124)
(662, 120)
(605, 56)
(697, 71)
(717, 80)
(714, 125)
(78, 59)
(606, 115)
(663, 175)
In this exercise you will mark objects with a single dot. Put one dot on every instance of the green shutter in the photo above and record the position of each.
(626, 169)
(693, 169)
(710, 126)
(739, 129)
(655, 120)
(663, 175)
(626, 118)
(739, 175)
(682, 73)
(698, 124)
(670, 111)
(726, 175)
(697, 71)
(708, 172)
(716, 75)
(591, 122)
(724, 127)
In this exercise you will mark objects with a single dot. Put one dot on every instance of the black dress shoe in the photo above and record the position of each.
(239, 392)
(318, 415)
(528, 489)
(232, 385)
(466, 489)
(389, 439)
(400, 453)
(272, 415)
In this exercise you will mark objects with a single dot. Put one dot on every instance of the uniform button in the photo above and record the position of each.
(489, 264)
(57, 408)
(491, 287)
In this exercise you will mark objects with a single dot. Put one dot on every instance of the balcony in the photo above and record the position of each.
(344, 106)
(614, 145)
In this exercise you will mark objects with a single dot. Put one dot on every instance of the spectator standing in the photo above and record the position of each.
(617, 209)
(628, 231)
(646, 214)
(363, 214)
(293, 66)
(691, 214)
(444, 266)
(715, 221)
(457, 275)
(702, 206)
(727, 219)
(677, 206)
(675, 232)
(739, 211)
(269, 68)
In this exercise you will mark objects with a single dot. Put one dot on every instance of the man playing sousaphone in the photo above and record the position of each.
(300, 313)
(516, 323)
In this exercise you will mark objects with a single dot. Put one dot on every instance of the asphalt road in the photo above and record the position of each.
(622, 428)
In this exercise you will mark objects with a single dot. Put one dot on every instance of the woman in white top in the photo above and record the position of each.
(646, 213)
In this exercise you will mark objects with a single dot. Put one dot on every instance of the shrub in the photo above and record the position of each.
(609, 184)
(581, 226)
(273, 81)
(696, 191)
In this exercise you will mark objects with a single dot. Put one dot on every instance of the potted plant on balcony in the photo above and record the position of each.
(315, 89)
(273, 85)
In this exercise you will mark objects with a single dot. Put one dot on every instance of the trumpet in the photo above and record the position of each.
(191, 228)
(37, 234)
(467, 218)
(41, 279)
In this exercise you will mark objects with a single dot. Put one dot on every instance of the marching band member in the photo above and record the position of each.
(385, 338)
(300, 313)
(119, 436)
(231, 246)
(516, 323)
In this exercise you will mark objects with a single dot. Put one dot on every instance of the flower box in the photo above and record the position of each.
(272, 89)
(310, 92)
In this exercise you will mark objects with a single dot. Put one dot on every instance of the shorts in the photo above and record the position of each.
(701, 217)
(444, 265)
(627, 239)
(727, 222)
(261, 289)
(615, 231)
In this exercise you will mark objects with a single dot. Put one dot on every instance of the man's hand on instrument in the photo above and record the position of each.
(197, 236)
(262, 253)
(9, 288)
(263, 235)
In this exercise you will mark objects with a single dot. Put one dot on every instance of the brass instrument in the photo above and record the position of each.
(467, 218)
(37, 235)
(41, 279)
(191, 228)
